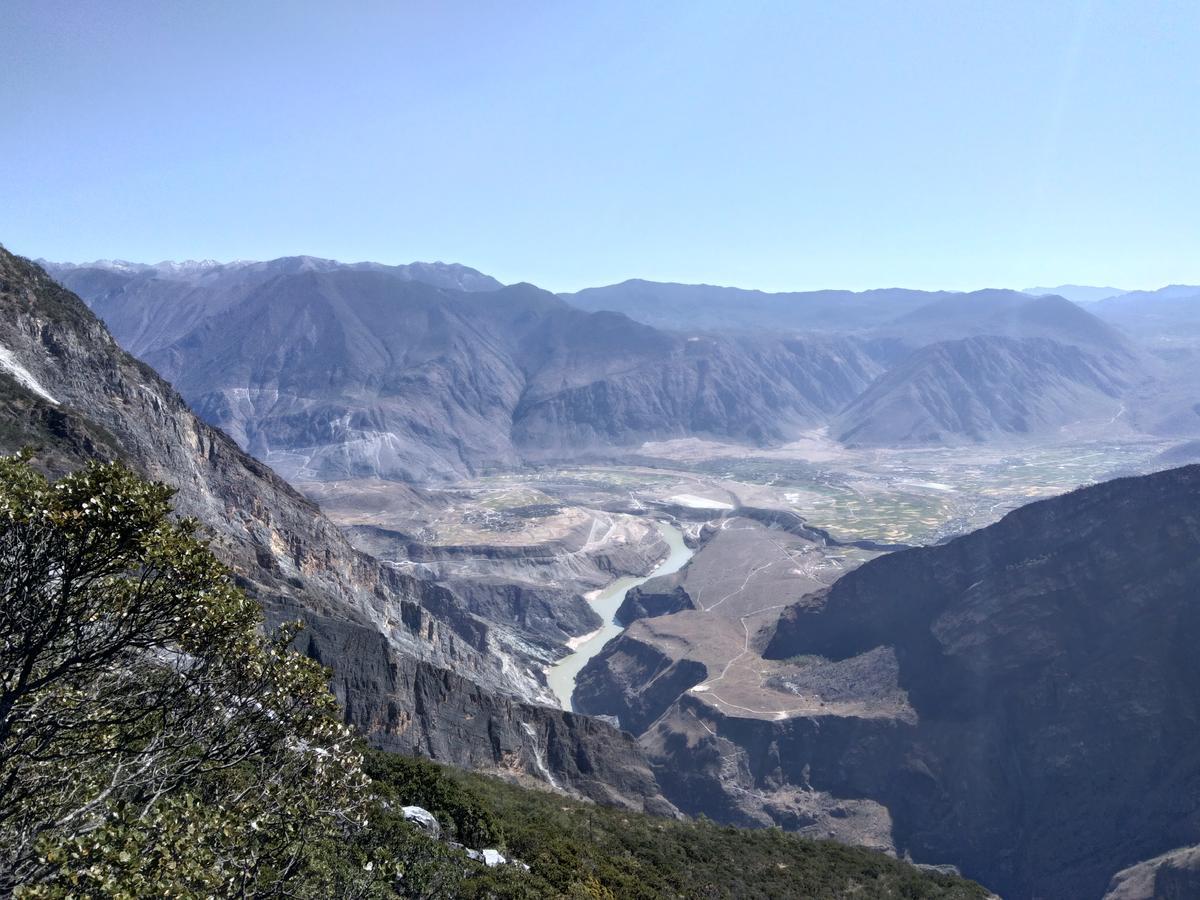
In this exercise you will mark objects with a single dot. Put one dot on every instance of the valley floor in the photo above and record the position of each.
(768, 525)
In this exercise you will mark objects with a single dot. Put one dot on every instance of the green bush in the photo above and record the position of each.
(152, 740)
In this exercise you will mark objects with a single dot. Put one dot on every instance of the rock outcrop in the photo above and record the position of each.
(1172, 876)
(657, 597)
(634, 682)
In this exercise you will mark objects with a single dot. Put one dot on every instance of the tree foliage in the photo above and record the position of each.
(152, 740)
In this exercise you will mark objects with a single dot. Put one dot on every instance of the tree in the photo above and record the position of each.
(153, 741)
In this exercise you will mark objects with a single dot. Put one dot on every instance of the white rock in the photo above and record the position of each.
(423, 819)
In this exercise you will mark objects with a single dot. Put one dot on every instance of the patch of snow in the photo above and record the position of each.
(149, 390)
(8, 362)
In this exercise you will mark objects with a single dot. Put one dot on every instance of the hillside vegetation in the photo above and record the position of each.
(576, 849)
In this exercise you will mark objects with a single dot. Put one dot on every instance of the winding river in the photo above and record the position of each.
(563, 673)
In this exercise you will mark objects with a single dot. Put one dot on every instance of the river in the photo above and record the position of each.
(562, 675)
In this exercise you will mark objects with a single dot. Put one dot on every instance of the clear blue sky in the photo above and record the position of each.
(781, 145)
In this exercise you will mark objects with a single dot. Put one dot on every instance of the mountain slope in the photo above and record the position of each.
(391, 639)
(1076, 293)
(982, 388)
(343, 373)
(711, 308)
(149, 306)
(1003, 314)
(1170, 314)
(332, 371)
(1050, 663)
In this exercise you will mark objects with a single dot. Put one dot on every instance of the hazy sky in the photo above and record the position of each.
(785, 145)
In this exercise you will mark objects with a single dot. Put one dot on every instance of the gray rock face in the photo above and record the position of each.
(1049, 660)
(423, 819)
(1172, 876)
(390, 639)
(409, 706)
(542, 611)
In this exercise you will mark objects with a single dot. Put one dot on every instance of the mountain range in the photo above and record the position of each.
(430, 371)
(1076, 293)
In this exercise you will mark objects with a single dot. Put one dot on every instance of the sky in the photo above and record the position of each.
(774, 145)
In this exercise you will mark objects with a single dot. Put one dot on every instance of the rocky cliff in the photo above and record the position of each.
(1049, 661)
(1171, 876)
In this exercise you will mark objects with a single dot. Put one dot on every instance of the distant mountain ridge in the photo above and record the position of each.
(149, 306)
(1076, 293)
(708, 307)
(359, 372)
(327, 369)
(1171, 313)
(443, 274)
(1000, 313)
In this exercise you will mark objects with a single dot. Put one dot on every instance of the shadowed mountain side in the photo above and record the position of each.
(1050, 662)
